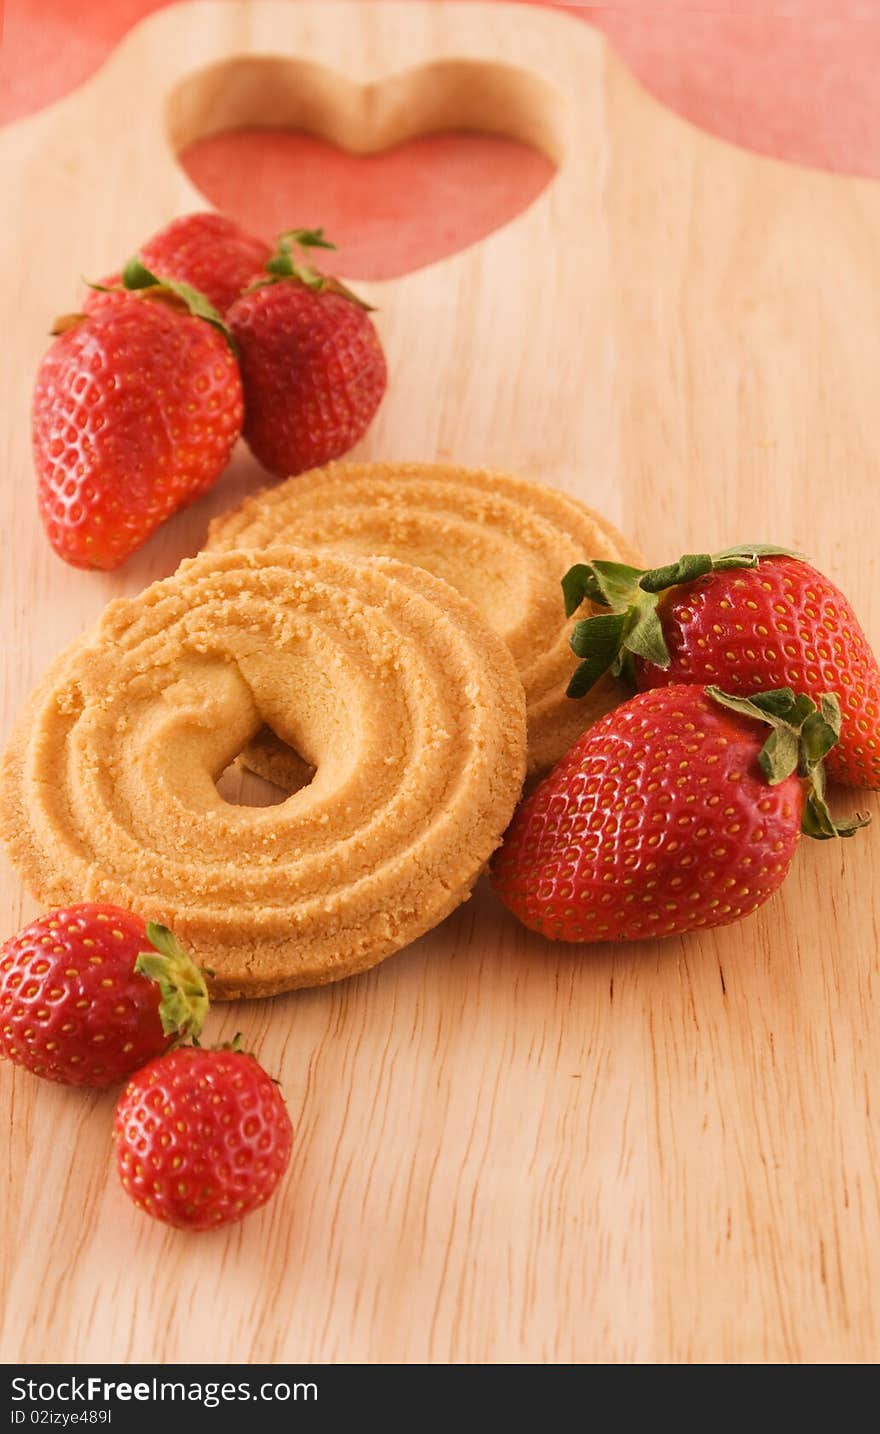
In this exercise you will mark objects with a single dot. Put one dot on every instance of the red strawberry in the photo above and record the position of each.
(672, 812)
(311, 363)
(202, 1137)
(748, 619)
(207, 251)
(89, 993)
(136, 410)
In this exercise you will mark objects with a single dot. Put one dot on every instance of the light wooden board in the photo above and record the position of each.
(505, 1150)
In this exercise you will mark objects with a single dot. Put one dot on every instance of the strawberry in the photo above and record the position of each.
(202, 1137)
(748, 619)
(89, 993)
(136, 409)
(207, 251)
(311, 363)
(672, 812)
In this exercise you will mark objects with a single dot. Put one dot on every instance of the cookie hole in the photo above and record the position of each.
(241, 788)
(265, 773)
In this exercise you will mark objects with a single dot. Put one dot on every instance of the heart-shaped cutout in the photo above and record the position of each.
(400, 174)
(387, 213)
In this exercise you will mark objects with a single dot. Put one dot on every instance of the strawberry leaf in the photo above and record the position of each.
(644, 636)
(198, 305)
(779, 702)
(802, 736)
(136, 276)
(598, 639)
(818, 736)
(748, 555)
(285, 265)
(605, 643)
(613, 585)
(688, 567)
(185, 1000)
(779, 755)
(694, 565)
(305, 238)
(581, 584)
(281, 265)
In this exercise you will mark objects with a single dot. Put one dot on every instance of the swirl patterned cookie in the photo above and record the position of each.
(389, 684)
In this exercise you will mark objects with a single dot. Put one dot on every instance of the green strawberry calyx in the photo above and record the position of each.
(181, 983)
(608, 641)
(288, 263)
(137, 278)
(801, 737)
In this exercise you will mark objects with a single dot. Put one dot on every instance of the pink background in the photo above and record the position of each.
(797, 79)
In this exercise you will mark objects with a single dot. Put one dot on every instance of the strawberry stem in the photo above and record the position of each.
(185, 1000)
(286, 264)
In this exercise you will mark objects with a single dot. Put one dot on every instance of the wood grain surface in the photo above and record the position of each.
(505, 1150)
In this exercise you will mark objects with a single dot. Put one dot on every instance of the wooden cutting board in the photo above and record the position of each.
(506, 1150)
